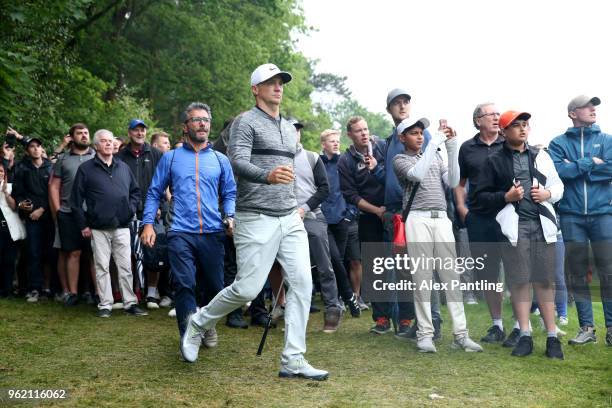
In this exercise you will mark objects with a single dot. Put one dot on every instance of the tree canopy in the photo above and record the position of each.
(103, 62)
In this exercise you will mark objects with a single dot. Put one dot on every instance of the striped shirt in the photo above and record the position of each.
(430, 195)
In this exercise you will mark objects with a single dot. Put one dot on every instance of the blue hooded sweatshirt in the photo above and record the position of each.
(587, 185)
(335, 208)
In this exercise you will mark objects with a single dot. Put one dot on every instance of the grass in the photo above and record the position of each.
(127, 361)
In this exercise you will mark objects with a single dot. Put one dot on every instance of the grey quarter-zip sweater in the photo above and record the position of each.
(258, 144)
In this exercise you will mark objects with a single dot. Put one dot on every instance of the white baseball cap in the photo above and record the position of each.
(581, 101)
(266, 71)
(408, 122)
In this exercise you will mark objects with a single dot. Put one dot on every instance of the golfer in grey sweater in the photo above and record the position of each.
(267, 227)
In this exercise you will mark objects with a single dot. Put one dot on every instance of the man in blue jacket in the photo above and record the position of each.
(197, 176)
(583, 158)
(339, 216)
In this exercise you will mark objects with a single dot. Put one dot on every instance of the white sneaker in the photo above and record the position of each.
(210, 338)
(470, 299)
(191, 341)
(362, 304)
(541, 322)
(165, 302)
(172, 312)
(152, 303)
(426, 345)
(299, 367)
(466, 344)
(563, 321)
(32, 297)
(278, 313)
(61, 297)
(560, 333)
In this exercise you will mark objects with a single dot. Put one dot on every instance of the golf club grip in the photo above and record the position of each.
(263, 337)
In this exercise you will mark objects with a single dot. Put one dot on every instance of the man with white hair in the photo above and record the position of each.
(109, 189)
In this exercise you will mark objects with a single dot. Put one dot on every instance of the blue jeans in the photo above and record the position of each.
(184, 250)
(578, 231)
(560, 286)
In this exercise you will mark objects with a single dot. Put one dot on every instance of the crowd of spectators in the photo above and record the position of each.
(71, 222)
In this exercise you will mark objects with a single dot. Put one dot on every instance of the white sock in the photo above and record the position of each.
(516, 325)
(152, 292)
(499, 323)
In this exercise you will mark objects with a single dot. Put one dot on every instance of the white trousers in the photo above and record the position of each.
(260, 239)
(433, 238)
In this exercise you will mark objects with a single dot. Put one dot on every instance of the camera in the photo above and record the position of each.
(10, 139)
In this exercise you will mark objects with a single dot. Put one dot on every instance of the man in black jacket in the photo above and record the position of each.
(142, 159)
(362, 182)
(111, 194)
(30, 191)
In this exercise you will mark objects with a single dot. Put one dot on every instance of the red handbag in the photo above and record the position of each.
(399, 234)
(399, 227)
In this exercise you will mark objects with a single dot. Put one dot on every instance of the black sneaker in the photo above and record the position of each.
(382, 326)
(404, 331)
(261, 321)
(71, 300)
(494, 335)
(354, 306)
(553, 348)
(134, 310)
(103, 313)
(524, 347)
(412, 333)
(46, 294)
(512, 339)
(609, 336)
(437, 324)
(235, 320)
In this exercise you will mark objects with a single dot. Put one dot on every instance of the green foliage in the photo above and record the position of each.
(104, 62)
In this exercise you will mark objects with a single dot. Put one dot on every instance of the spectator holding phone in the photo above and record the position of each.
(429, 232)
(31, 192)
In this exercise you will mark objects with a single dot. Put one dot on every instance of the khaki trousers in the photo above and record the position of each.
(115, 242)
